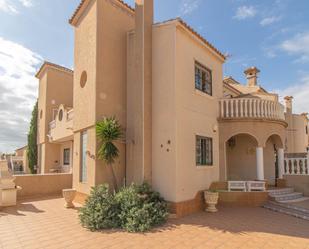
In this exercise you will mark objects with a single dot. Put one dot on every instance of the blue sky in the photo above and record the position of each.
(270, 34)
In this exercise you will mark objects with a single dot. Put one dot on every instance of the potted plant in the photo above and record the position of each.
(211, 199)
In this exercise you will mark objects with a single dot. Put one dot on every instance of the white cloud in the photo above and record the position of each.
(26, 3)
(298, 45)
(269, 20)
(18, 92)
(10, 6)
(188, 6)
(244, 12)
(300, 92)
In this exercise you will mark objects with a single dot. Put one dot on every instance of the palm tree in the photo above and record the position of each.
(108, 131)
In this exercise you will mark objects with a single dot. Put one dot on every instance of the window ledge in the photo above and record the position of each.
(205, 167)
(201, 93)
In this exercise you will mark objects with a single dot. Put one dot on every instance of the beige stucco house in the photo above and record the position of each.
(186, 126)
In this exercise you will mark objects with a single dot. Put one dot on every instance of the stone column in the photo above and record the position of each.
(260, 163)
(280, 162)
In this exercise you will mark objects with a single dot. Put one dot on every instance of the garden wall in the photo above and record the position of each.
(38, 185)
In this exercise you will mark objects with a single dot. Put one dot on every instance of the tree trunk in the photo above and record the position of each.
(114, 178)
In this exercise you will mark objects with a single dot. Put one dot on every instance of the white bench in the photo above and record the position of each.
(237, 185)
(256, 186)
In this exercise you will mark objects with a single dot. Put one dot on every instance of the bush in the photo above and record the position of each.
(100, 210)
(135, 209)
(140, 208)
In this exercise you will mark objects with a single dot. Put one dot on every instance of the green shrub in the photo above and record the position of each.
(100, 210)
(136, 209)
(141, 208)
(32, 149)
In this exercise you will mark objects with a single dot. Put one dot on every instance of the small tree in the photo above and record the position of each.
(108, 131)
(32, 151)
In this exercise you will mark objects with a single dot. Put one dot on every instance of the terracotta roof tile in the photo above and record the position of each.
(201, 38)
(195, 33)
(71, 20)
(46, 63)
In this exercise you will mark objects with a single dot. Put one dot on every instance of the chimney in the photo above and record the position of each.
(288, 104)
(252, 75)
(143, 50)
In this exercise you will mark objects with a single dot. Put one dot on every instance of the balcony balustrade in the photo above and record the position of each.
(235, 108)
(63, 128)
(296, 166)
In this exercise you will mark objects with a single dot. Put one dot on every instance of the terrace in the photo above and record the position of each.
(45, 223)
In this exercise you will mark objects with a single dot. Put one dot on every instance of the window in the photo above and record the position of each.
(307, 130)
(203, 151)
(203, 79)
(83, 171)
(83, 79)
(66, 156)
(60, 115)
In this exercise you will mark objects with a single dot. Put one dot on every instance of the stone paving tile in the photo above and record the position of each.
(46, 224)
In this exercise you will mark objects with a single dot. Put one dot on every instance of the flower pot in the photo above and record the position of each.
(211, 199)
(69, 195)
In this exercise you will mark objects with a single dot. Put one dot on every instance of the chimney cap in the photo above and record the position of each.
(288, 98)
(252, 70)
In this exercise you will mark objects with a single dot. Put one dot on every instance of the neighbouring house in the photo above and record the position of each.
(17, 162)
(186, 126)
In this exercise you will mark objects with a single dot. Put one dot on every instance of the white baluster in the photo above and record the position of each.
(246, 108)
(227, 109)
(303, 168)
(254, 107)
(241, 108)
(222, 108)
(266, 109)
(250, 108)
(232, 108)
(236, 103)
(258, 109)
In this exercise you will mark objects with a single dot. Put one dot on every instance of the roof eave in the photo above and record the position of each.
(52, 65)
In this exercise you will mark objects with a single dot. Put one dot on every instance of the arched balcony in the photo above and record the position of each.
(242, 108)
(61, 128)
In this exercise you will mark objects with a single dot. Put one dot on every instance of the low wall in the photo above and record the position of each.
(243, 199)
(38, 185)
(298, 182)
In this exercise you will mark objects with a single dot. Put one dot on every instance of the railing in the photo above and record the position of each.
(251, 108)
(52, 124)
(70, 115)
(296, 166)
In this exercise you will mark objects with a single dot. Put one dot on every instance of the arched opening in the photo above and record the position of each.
(271, 158)
(241, 157)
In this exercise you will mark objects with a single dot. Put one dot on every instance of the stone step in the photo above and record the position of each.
(287, 197)
(290, 206)
(296, 200)
(286, 210)
(281, 191)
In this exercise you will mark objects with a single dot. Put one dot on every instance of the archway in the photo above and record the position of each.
(273, 151)
(241, 157)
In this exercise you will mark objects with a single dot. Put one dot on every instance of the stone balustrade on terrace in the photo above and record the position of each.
(296, 166)
(242, 108)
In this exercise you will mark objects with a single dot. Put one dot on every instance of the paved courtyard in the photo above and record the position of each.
(45, 223)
